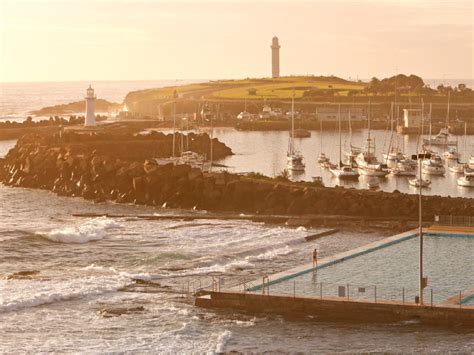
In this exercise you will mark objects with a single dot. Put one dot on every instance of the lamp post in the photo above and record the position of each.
(422, 280)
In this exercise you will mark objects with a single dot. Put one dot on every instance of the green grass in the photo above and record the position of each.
(280, 88)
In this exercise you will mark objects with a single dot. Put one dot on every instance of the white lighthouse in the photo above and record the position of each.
(275, 58)
(90, 107)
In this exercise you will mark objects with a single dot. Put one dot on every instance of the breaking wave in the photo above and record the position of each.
(91, 230)
(16, 295)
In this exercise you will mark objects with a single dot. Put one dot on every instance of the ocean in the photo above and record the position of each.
(84, 264)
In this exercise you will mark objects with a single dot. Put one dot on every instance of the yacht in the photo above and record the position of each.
(244, 115)
(322, 158)
(394, 156)
(442, 138)
(433, 165)
(467, 180)
(452, 153)
(295, 161)
(373, 183)
(404, 167)
(343, 171)
(193, 159)
(353, 151)
(417, 182)
(368, 163)
(366, 160)
(457, 168)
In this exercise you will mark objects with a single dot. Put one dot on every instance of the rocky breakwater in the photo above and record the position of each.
(122, 169)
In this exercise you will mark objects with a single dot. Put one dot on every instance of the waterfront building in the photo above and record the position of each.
(275, 58)
(412, 118)
(90, 107)
(330, 113)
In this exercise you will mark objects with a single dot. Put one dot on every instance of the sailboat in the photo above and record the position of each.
(342, 171)
(433, 165)
(322, 159)
(366, 160)
(295, 161)
(394, 154)
(459, 167)
(417, 182)
(442, 138)
(353, 151)
(467, 180)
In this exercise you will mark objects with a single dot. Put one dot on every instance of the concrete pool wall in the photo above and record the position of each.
(454, 311)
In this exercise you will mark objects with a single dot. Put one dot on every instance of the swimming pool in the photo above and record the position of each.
(391, 272)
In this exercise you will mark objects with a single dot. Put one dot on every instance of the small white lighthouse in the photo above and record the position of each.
(90, 107)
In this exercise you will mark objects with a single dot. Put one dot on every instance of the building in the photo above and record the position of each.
(412, 118)
(90, 107)
(275, 58)
(330, 113)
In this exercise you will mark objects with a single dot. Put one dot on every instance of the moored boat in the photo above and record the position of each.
(433, 165)
(417, 182)
(466, 181)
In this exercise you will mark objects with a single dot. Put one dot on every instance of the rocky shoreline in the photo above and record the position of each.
(121, 168)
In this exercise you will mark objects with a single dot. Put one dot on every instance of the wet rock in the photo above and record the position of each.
(119, 311)
(22, 275)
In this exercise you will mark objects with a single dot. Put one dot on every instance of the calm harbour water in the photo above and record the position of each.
(83, 262)
(265, 152)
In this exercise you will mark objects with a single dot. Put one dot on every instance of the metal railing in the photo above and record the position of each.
(450, 220)
(364, 293)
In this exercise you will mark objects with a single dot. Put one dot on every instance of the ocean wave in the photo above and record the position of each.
(16, 295)
(222, 340)
(91, 230)
(270, 254)
(233, 265)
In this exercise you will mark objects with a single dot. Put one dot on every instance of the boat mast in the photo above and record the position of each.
(447, 111)
(431, 106)
(174, 126)
(340, 141)
(320, 136)
(292, 123)
(368, 127)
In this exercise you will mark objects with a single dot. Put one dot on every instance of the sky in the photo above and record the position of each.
(63, 40)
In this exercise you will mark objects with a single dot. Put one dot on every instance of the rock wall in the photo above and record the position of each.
(120, 168)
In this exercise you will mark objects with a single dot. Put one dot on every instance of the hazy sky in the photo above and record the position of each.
(63, 40)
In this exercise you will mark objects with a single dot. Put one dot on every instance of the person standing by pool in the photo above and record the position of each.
(315, 257)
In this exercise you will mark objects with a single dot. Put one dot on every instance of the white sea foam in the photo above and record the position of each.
(93, 229)
(222, 340)
(15, 294)
(270, 254)
(233, 265)
(131, 276)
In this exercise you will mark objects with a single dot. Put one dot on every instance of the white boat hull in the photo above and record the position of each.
(366, 171)
(458, 169)
(417, 182)
(341, 174)
(466, 181)
(433, 170)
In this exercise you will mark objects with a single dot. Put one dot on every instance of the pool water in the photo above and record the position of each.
(392, 273)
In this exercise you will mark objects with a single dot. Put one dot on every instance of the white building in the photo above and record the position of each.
(330, 114)
(411, 118)
(90, 107)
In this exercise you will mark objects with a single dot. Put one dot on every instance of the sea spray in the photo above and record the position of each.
(91, 230)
